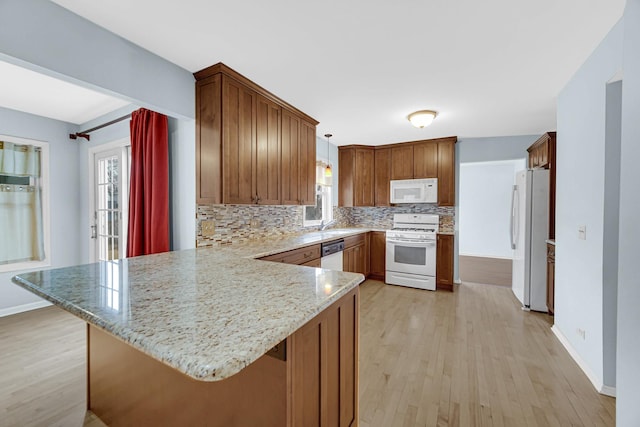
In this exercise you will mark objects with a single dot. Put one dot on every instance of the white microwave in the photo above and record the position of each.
(414, 191)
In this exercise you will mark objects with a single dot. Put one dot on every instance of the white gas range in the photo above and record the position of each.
(411, 251)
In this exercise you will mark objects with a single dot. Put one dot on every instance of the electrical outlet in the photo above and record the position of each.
(255, 223)
(582, 232)
(208, 227)
(581, 333)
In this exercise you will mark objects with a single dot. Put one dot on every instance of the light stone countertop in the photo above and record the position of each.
(207, 312)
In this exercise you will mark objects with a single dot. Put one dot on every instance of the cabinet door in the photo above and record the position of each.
(402, 162)
(238, 142)
(208, 143)
(346, 166)
(382, 176)
(446, 173)
(551, 267)
(363, 188)
(307, 163)
(378, 254)
(290, 152)
(324, 367)
(444, 263)
(349, 260)
(425, 160)
(267, 166)
(307, 345)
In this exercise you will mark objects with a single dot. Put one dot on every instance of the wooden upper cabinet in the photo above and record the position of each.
(267, 183)
(402, 162)
(434, 158)
(425, 160)
(307, 170)
(346, 166)
(251, 146)
(238, 142)
(364, 196)
(356, 176)
(290, 159)
(446, 173)
(298, 154)
(382, 176)
(208, 139)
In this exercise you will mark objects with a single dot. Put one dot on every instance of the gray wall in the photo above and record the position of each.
(44, 37)
(611, 226)
(628, 368)
(471, 150)
(64, 188)
(580, 200)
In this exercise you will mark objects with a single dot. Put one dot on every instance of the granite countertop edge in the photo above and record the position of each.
(180, 359)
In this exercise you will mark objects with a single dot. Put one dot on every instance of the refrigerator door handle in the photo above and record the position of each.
(513, 225)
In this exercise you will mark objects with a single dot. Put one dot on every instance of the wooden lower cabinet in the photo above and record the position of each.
(377, 255)
(444, 263)
(307, 255)
(317, 384)
(324, 367)
(551, 276)
(355, 258)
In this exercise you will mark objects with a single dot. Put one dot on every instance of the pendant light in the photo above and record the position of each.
(327, 171)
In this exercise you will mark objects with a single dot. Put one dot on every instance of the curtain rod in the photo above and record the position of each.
(85, 133)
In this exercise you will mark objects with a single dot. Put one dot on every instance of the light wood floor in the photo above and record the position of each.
(43, 370)
(496, 271)
(471, 358)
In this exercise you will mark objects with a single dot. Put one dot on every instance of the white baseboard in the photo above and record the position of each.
(608, 391)
(597, 383)
(24, 307)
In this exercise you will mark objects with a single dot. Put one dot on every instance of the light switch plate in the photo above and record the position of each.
(582, 232)
(208, 227)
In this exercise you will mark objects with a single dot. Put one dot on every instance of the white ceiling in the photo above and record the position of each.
(35, 93)
(490, 68)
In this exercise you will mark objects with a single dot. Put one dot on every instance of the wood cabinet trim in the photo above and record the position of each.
(221, 68)
(296, 256)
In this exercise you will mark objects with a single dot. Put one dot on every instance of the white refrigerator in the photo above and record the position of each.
(529, 231)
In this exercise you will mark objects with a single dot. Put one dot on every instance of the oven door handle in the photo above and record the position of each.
(413, 244)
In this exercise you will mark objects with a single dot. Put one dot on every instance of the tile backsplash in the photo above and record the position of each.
(225, 224)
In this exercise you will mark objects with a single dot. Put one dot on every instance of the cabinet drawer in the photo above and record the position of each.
(313, 263)
(351, 241)
(296, 256)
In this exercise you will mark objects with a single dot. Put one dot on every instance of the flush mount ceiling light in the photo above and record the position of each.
(422, 118)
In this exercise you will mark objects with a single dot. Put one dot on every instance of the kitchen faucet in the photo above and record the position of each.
(324, 226)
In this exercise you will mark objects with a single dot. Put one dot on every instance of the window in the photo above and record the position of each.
(323, 210)
(24, 224)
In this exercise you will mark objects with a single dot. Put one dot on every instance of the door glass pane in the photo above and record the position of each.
(108, 205)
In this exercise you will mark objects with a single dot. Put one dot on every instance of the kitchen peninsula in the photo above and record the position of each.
(212, 336)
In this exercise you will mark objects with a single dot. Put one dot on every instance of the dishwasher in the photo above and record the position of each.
(332, 255)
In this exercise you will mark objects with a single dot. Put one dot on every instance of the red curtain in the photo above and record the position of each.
(149, 192)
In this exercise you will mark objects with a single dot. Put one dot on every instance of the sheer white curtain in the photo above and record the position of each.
(21, 227)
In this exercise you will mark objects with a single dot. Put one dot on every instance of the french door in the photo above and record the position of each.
(109, 203)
